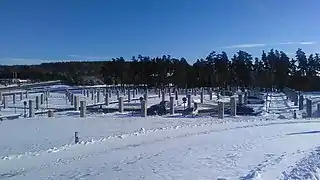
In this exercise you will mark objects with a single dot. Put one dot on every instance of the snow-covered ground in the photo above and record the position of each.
(270, 146)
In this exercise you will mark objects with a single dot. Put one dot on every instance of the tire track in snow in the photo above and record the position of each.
(60, 162)
(307, 168)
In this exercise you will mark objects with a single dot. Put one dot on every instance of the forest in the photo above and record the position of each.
(273, 69)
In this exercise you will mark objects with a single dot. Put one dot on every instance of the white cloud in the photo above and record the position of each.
(308, 43)
(245, 46)
(263, 45)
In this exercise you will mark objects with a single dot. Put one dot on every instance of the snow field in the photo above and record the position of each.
(122, 146)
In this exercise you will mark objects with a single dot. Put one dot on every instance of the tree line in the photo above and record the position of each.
(273, 69)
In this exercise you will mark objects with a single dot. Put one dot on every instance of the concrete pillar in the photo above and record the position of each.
(171, 105)
(201, 97)
(147, 93)
(41, 98)
(245, 99)
(107, 99)
(301, 99)
(210, 94)
(92, 95)
(129, 95)
(176, 95)
(21, 96)
(37, 102)
(14, 98)
(31, 110)
(27, 94)
(5, 102)
(133, 94)
(121, 108)
(295, 99)
(50, 113)
(220, 110)
(240, 99)
(233, 106)
(83, 108)
(71, 99)
(143, 108)
(189, 100)
(118, 94)
(223, 92)
(309, 107)
(98, 96)
(76, 103)
(145, 97)
(87, 92)
(163, 95)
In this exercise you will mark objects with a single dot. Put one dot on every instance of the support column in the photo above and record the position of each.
(233, 106)
(37, 103)
(171, 105)
(245, 99)
(41, 98)
(5, 102)
(301, 99)
(143, 108)
(201, 97)
(309, 107)
(129, 95)
(163, 95)
(98, 96)
(240, 99)
(107, 100)
(21, 96)
(14, 98)
(220, 110)
(121, 109)
(76, 103)
(31, 110)
(189, 100)
(176, 95)
(83, 108)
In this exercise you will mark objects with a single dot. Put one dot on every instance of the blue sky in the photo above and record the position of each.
(37, 31)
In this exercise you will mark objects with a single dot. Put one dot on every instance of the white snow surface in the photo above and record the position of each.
(122, 146)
